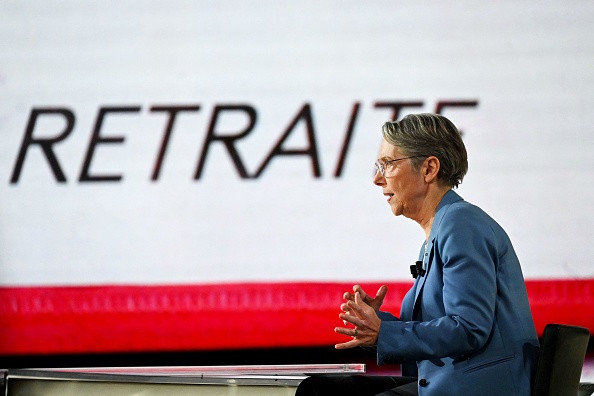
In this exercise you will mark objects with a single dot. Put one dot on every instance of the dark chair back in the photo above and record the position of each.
(562, 352)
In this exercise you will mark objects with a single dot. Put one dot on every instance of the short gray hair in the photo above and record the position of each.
(425, 135)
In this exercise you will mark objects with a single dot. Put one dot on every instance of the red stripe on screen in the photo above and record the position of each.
(109, 319)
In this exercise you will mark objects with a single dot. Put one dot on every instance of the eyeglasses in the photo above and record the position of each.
(381, 167)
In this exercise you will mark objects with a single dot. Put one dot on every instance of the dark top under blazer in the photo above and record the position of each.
(466, 325)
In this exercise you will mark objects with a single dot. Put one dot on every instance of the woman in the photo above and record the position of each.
(465, 326)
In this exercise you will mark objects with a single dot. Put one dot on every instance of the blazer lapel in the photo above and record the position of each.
(428, 259)
(449, 198)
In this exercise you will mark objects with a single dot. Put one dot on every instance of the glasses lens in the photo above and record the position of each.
(379, 167)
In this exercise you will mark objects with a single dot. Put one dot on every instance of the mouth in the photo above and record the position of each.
(389, 195)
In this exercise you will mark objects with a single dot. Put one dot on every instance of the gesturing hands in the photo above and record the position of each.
(360, 311)
(374, 303)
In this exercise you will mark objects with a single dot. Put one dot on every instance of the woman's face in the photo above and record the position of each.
(404, 187)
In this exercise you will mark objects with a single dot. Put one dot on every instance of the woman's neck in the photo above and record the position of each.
(430, 208)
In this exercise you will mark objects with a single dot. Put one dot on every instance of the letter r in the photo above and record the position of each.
(45, 143)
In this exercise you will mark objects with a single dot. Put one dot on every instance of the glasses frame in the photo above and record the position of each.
(381, 167)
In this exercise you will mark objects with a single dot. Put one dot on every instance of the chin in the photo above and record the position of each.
(397, 211)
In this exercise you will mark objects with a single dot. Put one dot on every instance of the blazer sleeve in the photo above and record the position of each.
(462, 313)
(386, 316)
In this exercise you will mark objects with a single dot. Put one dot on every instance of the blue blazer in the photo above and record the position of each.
(465, 327)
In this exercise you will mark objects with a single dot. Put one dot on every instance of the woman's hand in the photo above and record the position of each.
(374, 303)
(361, 315)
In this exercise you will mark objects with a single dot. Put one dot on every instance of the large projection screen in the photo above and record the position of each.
(206, 143)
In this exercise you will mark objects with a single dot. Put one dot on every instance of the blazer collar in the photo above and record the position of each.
(449, 198)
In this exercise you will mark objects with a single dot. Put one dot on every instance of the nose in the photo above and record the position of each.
(378, 179)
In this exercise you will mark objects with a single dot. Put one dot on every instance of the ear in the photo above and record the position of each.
(430, 169)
